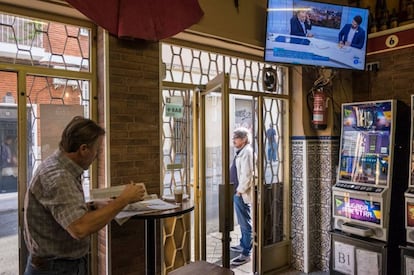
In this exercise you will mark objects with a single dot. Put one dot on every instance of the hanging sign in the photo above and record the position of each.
(174, 107)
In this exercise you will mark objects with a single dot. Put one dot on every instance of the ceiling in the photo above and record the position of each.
(61, 7)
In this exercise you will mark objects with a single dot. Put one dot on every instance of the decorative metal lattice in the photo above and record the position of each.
(196, 67)
(44, 43)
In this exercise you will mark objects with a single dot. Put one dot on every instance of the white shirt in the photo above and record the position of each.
(351, 35)
(303, 26)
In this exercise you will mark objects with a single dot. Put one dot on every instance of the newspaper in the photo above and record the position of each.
(107, 193)
(143, 207)
(151, 203)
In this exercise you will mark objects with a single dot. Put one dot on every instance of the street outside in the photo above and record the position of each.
(9, 253)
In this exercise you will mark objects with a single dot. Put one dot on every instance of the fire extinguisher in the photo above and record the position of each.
(319, 112)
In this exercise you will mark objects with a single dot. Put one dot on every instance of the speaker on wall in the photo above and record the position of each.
(269, 79)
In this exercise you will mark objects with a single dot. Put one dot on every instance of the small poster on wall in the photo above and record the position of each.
(409, 265)
(53, 119)
(174, 107)
(344, 258)
(244, 113)
(368, 262)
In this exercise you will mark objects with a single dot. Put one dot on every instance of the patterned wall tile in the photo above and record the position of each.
(321, 161)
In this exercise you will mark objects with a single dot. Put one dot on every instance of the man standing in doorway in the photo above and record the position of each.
(241, 175)
(57, 220)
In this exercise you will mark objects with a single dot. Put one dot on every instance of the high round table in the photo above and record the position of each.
(150, 240)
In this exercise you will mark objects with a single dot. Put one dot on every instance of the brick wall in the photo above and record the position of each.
(65, 39)
(100, 70)
(393, 80)
(134, 141)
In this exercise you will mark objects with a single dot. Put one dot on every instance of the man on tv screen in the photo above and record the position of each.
(300, 24)
(352, 34)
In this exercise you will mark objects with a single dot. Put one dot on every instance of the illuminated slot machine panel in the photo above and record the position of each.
(362, 195)
(409, 215)
(360, 212)
(409, 194)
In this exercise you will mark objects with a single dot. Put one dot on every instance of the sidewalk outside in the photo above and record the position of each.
(9, 252)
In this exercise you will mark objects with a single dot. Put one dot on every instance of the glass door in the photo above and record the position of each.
(215, 211)
(9, 239)
(221, 110)
(30, 122)
(272, 247)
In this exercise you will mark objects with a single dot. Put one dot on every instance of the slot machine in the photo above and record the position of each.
(367, 198)
(407, 250)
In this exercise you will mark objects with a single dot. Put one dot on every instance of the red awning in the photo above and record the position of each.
(143, 19)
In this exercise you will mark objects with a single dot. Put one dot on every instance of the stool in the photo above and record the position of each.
(201, 267)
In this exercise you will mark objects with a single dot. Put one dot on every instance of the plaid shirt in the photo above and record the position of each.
(53, 201)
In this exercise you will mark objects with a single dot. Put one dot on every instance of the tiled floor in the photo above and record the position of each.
(214, 255)
(243, 269)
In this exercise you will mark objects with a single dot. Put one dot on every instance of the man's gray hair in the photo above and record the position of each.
(242, 132)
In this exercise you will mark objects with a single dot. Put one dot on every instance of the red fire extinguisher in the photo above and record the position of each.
(319, 112)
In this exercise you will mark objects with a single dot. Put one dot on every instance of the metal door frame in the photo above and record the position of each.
(219, 82)
(264, 261)
(261, 253)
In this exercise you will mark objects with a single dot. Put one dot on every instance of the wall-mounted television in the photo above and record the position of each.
(314, 33)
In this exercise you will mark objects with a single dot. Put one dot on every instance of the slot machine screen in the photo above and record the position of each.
(358, 209)
(410, 214)
(365, 143)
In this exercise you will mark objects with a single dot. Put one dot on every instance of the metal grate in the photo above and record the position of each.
(44, 43)
(196, 67)
(192, 66)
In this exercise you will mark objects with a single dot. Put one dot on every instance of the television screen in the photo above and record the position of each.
(357, 209)
(312, 33)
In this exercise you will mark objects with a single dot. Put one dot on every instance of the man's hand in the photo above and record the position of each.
(92, 221)
(133, 192)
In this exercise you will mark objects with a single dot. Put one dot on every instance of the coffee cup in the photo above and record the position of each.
(178, 195)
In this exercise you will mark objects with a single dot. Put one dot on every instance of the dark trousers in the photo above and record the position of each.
(41, 266)
(245, 221)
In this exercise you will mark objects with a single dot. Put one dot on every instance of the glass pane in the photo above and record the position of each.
(176, 141)
(9, 252)
(52, 103)
(273, 112)
(176, 171)
(42, 43)
(272, 119)
(242, 113)
(213, 168)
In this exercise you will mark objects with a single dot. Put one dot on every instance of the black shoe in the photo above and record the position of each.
(239, 260)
